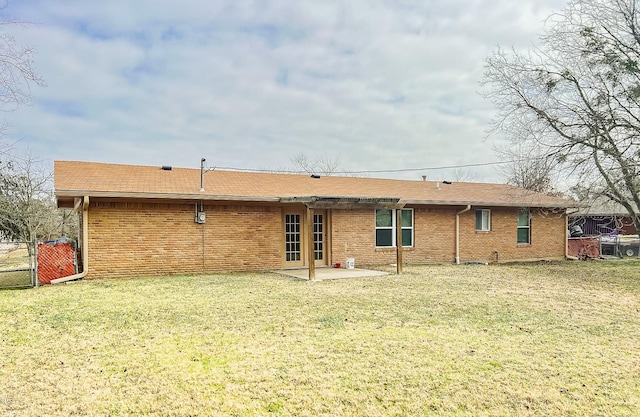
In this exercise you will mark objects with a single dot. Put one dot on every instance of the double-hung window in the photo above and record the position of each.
(524, 226)
(386, 224)
(483, 220)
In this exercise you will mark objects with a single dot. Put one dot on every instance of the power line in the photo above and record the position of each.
(424, 168)
(373, 171)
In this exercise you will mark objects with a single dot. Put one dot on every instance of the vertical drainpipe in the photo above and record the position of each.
(85, 245)
(458, 232)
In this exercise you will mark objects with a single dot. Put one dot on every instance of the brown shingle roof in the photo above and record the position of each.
(75, 179)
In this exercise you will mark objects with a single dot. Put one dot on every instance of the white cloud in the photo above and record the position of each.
(382, 85)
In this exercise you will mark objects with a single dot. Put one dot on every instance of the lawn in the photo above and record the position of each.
(553, 339)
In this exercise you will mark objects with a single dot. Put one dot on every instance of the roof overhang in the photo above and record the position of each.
(65, 199)
(531, 204)
(317, 202)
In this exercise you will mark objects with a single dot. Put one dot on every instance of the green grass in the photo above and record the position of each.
(529, 340)
(15, 279)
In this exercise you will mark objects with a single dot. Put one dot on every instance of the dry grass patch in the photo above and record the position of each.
(539, 339)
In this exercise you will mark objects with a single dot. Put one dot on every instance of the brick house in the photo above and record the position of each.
(143, 220)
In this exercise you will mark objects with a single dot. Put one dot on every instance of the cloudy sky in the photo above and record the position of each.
(376, 84)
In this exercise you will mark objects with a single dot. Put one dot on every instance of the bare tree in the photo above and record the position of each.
(528, 167)
(324, 165)
(577, 96)
(465, 175)
(27, 208)
(17, 70)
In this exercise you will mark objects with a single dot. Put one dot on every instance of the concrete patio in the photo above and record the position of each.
(331, 273)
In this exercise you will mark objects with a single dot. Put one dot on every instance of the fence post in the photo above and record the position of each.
(35, 256)
(30, 256)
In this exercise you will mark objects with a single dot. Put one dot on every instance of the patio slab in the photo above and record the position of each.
(332, 273)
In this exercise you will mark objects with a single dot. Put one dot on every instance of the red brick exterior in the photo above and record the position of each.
(353, 236)
(548, 236)
(128, 239)
(147, 239)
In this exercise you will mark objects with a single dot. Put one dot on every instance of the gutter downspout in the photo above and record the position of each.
(458, 232)
(85, 245)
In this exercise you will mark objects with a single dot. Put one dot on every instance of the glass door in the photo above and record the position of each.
(293, 255)
(319, 238)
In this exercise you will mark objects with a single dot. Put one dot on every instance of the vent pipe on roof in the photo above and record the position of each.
(424, 178)
(202, 161)
(203, 170)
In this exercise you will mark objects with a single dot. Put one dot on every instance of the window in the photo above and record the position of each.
(524, 226)
(386, 227)
(483, 220)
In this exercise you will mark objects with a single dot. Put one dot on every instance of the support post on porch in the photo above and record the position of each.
(310, 246)
(399, 241)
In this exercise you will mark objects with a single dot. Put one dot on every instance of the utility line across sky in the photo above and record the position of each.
(372, 171)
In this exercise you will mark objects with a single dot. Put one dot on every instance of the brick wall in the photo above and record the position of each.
(128, 239)
(353, 233)
(243, 238)
(547, 236)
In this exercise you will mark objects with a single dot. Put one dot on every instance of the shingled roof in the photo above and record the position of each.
(75, 179)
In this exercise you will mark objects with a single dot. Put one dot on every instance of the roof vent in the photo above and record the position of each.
(447, 182)
(166, 167)
(315, 176)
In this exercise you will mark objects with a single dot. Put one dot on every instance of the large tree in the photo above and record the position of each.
(26, 209)
(526, 166)
(577, 96)
(17, 70)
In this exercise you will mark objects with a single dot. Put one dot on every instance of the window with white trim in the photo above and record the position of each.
(483, 220)
(524, 226)
(386, 223)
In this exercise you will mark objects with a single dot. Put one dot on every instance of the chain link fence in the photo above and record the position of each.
(17, 265)
(25, 264)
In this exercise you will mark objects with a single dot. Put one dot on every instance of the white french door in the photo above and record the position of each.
(296, 242)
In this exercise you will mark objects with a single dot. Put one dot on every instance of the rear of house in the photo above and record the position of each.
(145, 221)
